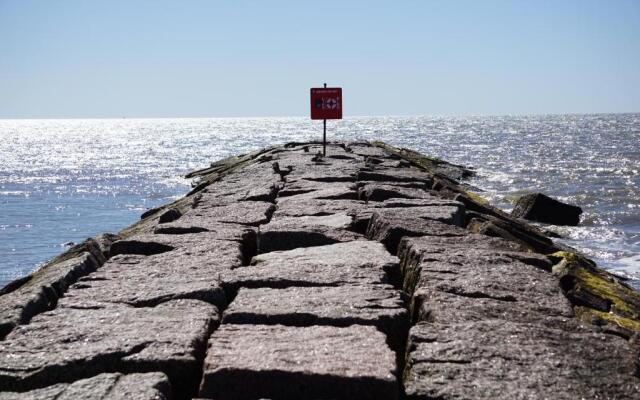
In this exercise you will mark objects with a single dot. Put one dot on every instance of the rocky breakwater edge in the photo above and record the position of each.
(371, 273)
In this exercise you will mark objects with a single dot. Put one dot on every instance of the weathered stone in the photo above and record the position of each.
(326, 169)
(203, 243)
(396, 175)
(379, 305)
(381, 192)
(410, 184)
(495, 359)
(147, 281)
(607, 301)
(319, 362)
(511, 229)
(338, 191)
(104, 242)
(366, 150)
(243, 233)
(258, 183)
(481, 274)
(361, 215)
(294, 207)
(305, 231)
(360, 262)
(77, 341)
(389, 226)
(299, 187)
(435, 306)
(433, 165)
(541, 208)
(430, 246)
(169, 215)
(42, 289)
(429, 201)
(252, 213)
(149, 386)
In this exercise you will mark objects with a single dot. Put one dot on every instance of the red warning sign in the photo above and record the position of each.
(326, 103)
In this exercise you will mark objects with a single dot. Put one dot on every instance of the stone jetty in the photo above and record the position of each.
(371, 273)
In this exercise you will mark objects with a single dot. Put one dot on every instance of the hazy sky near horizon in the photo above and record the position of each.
(77, 59)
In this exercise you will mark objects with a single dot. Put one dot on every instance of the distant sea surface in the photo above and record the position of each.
(62, 181)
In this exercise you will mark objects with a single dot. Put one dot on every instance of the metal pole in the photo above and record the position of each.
(324, 135)
(324, 138)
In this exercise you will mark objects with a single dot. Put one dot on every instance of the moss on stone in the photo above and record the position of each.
(419, 160)
(610, 321)
(476, 197)
(570, 257)
(590, 287)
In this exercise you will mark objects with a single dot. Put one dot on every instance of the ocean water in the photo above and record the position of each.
(64, 180)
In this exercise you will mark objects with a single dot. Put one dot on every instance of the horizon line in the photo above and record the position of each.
(307, 116)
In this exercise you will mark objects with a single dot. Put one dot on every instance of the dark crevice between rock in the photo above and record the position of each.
(332, 179)
(289, 240)
(232, 288)
(200, 353)
(342, 196)
(249, 246)
(14, 285)
(445, 361)
(139, 248)
(216, 298)
(178, 230)
(480, 295)
(47, 376)
(293, 192)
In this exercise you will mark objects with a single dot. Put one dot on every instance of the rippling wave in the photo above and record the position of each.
(64, 180)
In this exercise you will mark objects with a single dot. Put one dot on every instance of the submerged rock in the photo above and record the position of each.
(542, 208)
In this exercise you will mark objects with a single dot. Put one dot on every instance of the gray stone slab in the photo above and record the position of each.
(381, 192)
(379, 305)
(390, 225)
(335, 191)
(222, 230)
(359, 262)
(319, 362)
(296, 187)
(149, 386)
(308, 165)
(293, 207)
(77, 341)
(396, 175)
(41, 290)
(435, 247)
(367, 150)
(421, 244)
(251, 213)
(259, 183)
(447, 308)
(144, 281)
(505, 360)
(305, 231)
(492, 283)
(201, 243)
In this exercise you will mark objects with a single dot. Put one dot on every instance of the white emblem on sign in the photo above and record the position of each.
(332, 104)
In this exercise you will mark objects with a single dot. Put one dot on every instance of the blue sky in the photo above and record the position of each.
(258, 58)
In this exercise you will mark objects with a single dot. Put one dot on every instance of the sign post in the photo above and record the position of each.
(326, 103)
